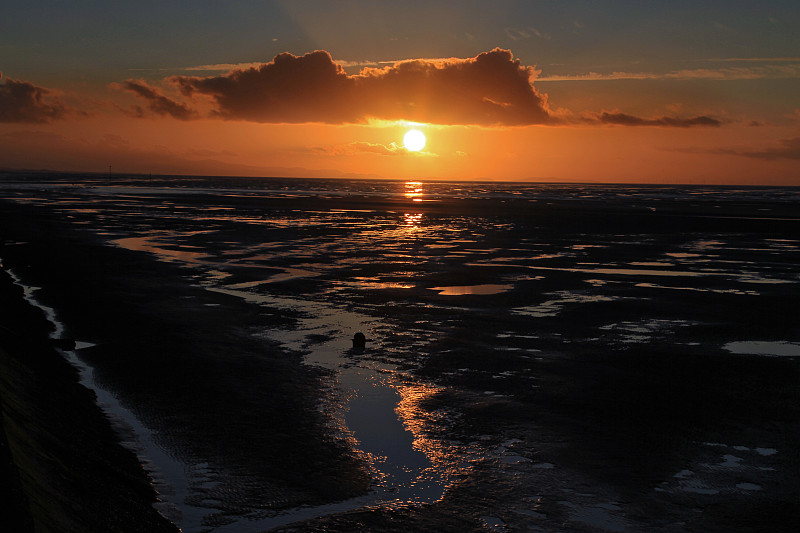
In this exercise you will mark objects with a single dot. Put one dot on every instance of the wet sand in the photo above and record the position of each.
(642, 437)
(173, 366)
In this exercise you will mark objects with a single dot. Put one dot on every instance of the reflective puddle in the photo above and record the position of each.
(463, 290)
(378, 410)
(146, 244)
(768, 348)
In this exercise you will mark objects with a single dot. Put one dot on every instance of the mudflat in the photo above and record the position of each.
(63, 466)
(570, 353)
(212, 392)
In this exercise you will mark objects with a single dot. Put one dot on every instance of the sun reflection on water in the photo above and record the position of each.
(413, 191)
(412, 220)
(445, 461)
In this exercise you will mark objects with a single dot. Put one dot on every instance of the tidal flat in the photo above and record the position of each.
(539, 357)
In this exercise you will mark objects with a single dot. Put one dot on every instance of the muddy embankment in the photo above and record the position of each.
(63, 468)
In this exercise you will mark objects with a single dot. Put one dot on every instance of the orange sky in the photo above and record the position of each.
(489, 114)
(548, 153)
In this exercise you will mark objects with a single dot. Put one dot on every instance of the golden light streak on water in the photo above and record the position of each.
(414, 191)
(445, 460)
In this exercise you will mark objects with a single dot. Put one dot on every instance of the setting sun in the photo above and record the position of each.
(414, 140)
(583, 277)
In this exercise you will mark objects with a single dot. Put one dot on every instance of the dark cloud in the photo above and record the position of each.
(156, 102)
(623, 119)
(22, 101)
(781, 149)
(490, 89)
(785, 149)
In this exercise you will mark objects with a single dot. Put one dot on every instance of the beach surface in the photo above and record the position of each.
(561, 364)
(63, 468)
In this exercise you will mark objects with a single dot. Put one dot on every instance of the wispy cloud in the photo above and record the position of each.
(229, 67)
(157, 102)
(783, 149)
(517, 34)
(752, 60)
(622, 119)
(773, 71)
(361, 63)
(775, 150)
(360, 147)
(222, 67)
(22, 101)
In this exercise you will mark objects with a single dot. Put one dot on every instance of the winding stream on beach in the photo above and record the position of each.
(171, 477)
(498, 293)
(403, 468)
(371, 392)
(402, 471)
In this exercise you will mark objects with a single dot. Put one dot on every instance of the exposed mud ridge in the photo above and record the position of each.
(63, 466)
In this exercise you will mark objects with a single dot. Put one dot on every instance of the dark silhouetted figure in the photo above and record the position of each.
(359, 341)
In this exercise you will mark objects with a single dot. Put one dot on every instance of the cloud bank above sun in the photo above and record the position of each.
(490, 89)
(590, 92)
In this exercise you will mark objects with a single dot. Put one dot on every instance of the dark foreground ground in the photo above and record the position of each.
(618, 423)
(213, 392)
(61, 465)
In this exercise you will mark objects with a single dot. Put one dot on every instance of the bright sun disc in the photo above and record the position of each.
(414, 140)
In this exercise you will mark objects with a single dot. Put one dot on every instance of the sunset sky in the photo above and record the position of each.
(623, 91)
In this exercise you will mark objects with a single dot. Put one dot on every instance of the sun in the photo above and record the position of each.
(414, 140)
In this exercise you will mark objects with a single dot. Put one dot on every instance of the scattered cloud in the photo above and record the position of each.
(156, 101)
(360, 147)
(517, 34)
(541, 35)
(596, 76)
(752, 59)
(22, 101)
(775, 150)
(778, 71)
(622, 119)
(775, 71)
(222, 67)
(783, 149)
(360, 63)
(492, 88)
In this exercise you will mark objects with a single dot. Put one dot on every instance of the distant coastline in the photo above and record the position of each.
(18, 173)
